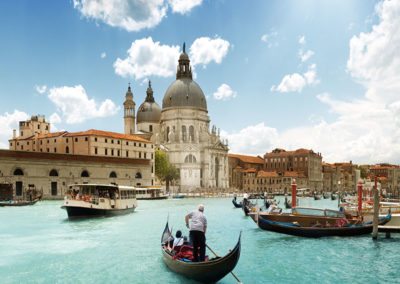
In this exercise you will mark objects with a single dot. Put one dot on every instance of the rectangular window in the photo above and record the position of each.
(140, 144)
(145, 145)
(22, 133)
(145, 155)
(48, 150)
(38, 127)
(119, 142)
(22, 147)
(127, 143)
(95, 139)
(67, 140)
(112, 141)
(76, 139)
(55, 140)
(105, 140)
(105, 152)
(27, 143)
(127, 154)
(118, 153)
(140, 155)
(134, 144)
(55, 150)
(86, 139)
(112, 152)
(95, 151)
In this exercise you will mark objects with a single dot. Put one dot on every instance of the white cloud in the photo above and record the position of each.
(270, 38)
(252, 140)
(302, 40)
(41, 89)
(374, 56)
(367, 130)
(204, 50)
(183, 6)
(54, 119)
(131, 15)
(305, 55)
(76, 107)
(8, 122)
(103, 55)
(224, 92)
(296, 82)
(148, 58)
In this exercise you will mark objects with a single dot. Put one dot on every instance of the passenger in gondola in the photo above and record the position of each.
(198, 228)
(178, 240)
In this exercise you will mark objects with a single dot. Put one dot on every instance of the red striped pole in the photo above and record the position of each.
(294, 191)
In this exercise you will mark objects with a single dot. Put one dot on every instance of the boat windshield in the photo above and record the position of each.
(318, 212)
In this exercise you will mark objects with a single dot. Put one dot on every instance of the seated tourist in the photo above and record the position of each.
(178, 241)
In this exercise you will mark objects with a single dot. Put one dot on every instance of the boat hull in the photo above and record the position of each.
(205, 272)
(316, 232)
(82, 212)
(17, 204)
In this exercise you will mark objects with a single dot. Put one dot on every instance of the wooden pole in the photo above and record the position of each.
(233, 274)
(360, 191)
(294, 192)
(376, 211)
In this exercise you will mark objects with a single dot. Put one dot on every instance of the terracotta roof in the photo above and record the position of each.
(281, 152)
(52, 135)
(94, 132)
(383, 167)
(247, 159)
(293, 174)
(251, 170)
(262, 174)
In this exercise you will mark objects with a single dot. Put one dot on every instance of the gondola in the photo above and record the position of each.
(295, 229)
(317, 197)
(18, 203)
(237, 205)
(209, 271)
(288, 204)
(333, 196)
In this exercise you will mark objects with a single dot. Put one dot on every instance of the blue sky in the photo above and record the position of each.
(291, 74)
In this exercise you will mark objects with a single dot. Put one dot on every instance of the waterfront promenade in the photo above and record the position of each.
(38, 244)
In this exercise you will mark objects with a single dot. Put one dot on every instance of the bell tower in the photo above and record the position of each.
(129, 112)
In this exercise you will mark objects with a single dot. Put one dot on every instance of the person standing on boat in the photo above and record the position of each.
(198, 228)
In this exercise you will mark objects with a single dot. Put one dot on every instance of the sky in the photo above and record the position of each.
(315, 74)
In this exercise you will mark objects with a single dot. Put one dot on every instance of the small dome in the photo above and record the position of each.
(184, 92)
(149, 112)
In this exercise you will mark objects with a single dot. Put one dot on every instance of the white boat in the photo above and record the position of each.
(91, 200)
(150, 193)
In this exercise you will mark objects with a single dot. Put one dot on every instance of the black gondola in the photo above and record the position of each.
(209, 271)
(288, 204)
(333, 196)
(18, 203)
(237, 205)
(296, 229)
(317, 197)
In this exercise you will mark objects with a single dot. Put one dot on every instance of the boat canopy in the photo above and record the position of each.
(318, 212)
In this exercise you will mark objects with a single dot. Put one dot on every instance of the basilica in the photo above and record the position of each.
(182, 128)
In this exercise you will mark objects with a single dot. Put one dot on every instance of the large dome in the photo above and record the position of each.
(184, 92)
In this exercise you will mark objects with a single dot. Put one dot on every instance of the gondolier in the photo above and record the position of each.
(198, 228)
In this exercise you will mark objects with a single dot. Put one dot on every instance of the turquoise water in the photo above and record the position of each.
(38, 244)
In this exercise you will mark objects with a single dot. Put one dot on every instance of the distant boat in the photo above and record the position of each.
(178, 196)
(237, 205)
(150, 193)
(317, 197)
(93, 200)
(29, 197)
(209, 271)
(288, 204)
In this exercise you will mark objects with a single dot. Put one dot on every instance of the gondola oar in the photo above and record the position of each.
(233, 274)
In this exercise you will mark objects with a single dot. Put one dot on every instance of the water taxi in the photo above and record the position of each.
(91, 200)
(150, 193)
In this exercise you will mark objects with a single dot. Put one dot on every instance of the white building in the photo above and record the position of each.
(182, 127)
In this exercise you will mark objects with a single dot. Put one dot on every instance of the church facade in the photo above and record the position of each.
(182, 128)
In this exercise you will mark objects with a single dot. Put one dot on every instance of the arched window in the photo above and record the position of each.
(138, 175)
(184, 134)
(18, 172)
(53, 173)
(167, 136)
(191, 133)
(67, 150)
(190, 159)
(113, 174)
(85, 173)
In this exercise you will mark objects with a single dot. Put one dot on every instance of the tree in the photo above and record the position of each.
(165, 171)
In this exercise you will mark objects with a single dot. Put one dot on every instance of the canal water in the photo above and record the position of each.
(38, 244)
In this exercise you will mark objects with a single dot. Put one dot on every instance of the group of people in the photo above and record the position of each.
(196, 222)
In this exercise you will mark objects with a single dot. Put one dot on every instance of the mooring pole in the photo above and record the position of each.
(360, 194)
(294, 192)
(376, 211)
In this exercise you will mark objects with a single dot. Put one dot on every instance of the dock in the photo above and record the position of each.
(388, 230)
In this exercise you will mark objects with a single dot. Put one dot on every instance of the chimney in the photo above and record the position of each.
(14, 133)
